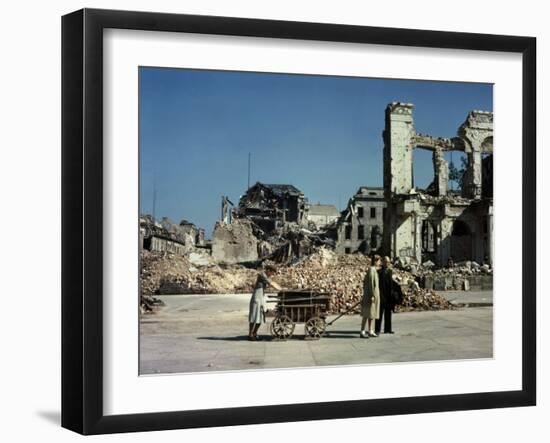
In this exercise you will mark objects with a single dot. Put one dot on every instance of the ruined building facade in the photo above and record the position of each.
(166, 236)
(437, 224)
(322, 215)
(273, 205)
(361, 225)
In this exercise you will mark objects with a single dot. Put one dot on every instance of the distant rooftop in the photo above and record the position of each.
(370, 190)
(281, 189)
(319, 209)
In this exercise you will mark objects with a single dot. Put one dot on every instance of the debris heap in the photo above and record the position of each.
(416, 298)
(164, 273)
(342, 275)
(325, 271)
(464, 275)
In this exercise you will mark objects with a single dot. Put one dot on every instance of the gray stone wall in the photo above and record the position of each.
(398, 177)
(234, 243)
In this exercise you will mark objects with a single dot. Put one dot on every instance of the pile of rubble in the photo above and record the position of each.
(325, 271)
(164, 273)
(416, 298)
(342, 275)
(460, 276)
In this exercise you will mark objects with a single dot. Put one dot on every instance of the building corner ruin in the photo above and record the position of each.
(437, 224)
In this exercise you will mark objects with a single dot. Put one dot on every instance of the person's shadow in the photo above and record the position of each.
(235, 338)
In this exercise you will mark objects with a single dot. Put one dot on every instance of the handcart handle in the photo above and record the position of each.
(345, 312)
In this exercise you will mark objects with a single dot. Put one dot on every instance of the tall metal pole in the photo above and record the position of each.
(248, 183)
(154, 200)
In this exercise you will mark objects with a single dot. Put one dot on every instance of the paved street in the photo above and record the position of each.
(198, 333)
(469, 298)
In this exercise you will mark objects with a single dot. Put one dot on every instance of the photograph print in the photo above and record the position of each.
(297, 221)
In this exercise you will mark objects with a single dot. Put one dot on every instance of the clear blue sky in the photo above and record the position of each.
(322, 134)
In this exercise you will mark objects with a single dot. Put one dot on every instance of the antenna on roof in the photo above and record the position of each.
(248, 183)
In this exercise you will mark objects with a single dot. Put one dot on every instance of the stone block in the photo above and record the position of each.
(234, 243)
(428, 282)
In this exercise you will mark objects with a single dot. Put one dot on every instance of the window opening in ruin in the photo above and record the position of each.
(360, 232)
(348, 232)
(375, 235)
(458, 163)
(487, 174)
(460, 228)
(348, 250)
(423, 170)
(372, 212)
(360, 212)
(428, 236)
(461, 241)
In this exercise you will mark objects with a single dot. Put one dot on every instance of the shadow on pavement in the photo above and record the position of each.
(328, 334)
(240, 338)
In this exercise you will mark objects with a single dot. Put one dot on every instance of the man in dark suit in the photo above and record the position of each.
(387, 302)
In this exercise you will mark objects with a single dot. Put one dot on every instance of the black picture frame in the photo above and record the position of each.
(82, 218)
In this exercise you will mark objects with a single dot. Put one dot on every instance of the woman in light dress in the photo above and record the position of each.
(256, 313)
(370, 306)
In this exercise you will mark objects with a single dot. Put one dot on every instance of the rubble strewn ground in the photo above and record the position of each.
(326, 271)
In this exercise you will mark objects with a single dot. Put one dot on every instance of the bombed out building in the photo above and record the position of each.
(436, 224)
(273, 221)
(166, 236)
(361, 224)
(272, 206)
(322, 215)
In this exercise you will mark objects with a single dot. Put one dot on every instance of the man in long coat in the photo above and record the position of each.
(387, 302)
(370, 305)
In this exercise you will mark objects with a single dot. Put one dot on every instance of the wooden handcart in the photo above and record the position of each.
(300, 306)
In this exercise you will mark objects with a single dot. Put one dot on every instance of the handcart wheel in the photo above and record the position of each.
(315, 327)
(282, 327)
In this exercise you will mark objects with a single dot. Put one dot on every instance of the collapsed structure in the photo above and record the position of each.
(436, 224)
(272, 221)
(320, 216)
(166, 236)
(270, 206)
